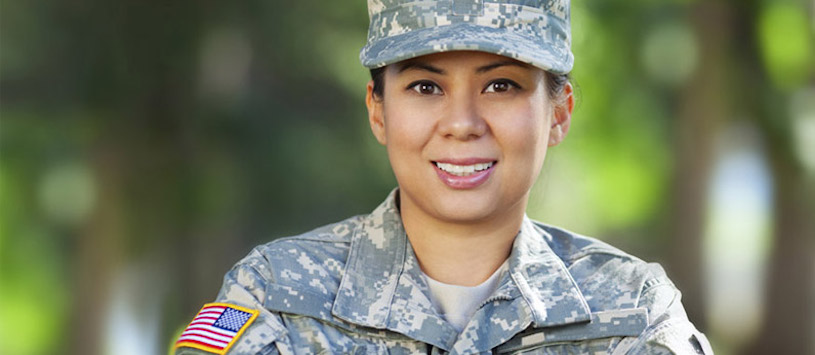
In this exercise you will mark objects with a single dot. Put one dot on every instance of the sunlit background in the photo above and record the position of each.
(145, 147)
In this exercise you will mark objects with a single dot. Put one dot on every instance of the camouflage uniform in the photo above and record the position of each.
(355, 287)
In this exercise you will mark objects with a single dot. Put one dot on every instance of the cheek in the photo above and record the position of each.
(524, 130)
(405, 128)
(529, 146)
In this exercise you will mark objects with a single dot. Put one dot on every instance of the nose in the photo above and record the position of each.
(462, 120)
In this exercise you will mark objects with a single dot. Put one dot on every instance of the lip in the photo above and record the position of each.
(464, 182)
(465, 161)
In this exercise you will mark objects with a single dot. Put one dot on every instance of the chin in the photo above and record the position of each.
(466, 212)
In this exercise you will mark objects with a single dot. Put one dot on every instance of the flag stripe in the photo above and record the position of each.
(204, 340)
(207, 334)
(211, 329)
(208, 315)
(203, 322)
(213, 309)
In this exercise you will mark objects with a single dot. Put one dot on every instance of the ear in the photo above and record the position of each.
(375, 114)
(562, 116)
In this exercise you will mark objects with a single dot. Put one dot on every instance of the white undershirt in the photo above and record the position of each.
(458, 303)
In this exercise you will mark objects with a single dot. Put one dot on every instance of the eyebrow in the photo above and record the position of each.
(481, 69)
(420, 66)
(492, 66)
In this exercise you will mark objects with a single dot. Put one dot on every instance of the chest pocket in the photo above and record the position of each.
(608, 332)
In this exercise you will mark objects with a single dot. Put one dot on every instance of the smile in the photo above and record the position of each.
(463, 170)
(464, 174)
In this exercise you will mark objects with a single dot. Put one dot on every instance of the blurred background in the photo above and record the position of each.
(147, 146)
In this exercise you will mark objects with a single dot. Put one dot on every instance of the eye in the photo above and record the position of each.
(501, 85)
(425, 87)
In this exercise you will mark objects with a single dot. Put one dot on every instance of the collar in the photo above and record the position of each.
(375, 261)
(382, 287)
(544, 280)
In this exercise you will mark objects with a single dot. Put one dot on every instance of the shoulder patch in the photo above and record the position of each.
(216, 327)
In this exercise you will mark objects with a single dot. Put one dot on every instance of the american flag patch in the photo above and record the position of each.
(216, 327)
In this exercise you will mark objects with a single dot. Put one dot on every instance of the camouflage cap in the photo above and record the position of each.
(532, 31)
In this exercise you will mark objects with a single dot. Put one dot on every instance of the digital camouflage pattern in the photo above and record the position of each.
(355, 287)
(532, 31)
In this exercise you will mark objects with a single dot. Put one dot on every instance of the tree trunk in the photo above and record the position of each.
(99, 249)
(788, 311)
(701, 111)
(788, 322)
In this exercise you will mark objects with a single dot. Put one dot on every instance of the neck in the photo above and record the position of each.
(457, 253)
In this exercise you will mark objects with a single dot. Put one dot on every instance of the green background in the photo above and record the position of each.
(146, 146)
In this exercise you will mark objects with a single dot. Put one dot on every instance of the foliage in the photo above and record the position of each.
(179, 135)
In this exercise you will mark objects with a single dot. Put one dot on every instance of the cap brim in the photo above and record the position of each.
(554, 57)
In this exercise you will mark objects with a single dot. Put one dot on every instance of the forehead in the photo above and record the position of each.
(477, 61)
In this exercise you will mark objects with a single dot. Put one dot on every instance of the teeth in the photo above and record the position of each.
(463, 170)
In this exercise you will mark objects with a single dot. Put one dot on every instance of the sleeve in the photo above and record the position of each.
(670, 331)
(245, 286)
(269, 350)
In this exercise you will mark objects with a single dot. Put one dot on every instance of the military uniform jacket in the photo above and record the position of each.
(355, 287)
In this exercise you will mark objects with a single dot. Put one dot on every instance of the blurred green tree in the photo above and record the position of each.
(145, 147)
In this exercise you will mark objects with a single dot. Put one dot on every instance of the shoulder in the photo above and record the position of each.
(327, 245)
(297, 261)
(608, 277)
(298, 275)
(611, 279)
(571, 246)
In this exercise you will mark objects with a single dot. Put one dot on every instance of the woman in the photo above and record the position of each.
(466, 96)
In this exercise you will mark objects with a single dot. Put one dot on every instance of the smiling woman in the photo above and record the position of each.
(466, 134)
(466, 96)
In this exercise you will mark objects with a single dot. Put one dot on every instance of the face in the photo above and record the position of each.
(466, 134)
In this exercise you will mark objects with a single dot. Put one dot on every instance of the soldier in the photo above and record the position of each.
(466, 96)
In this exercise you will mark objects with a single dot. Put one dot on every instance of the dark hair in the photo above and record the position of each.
(554, 83)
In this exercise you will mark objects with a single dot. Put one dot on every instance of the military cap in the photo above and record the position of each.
(532, 31)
